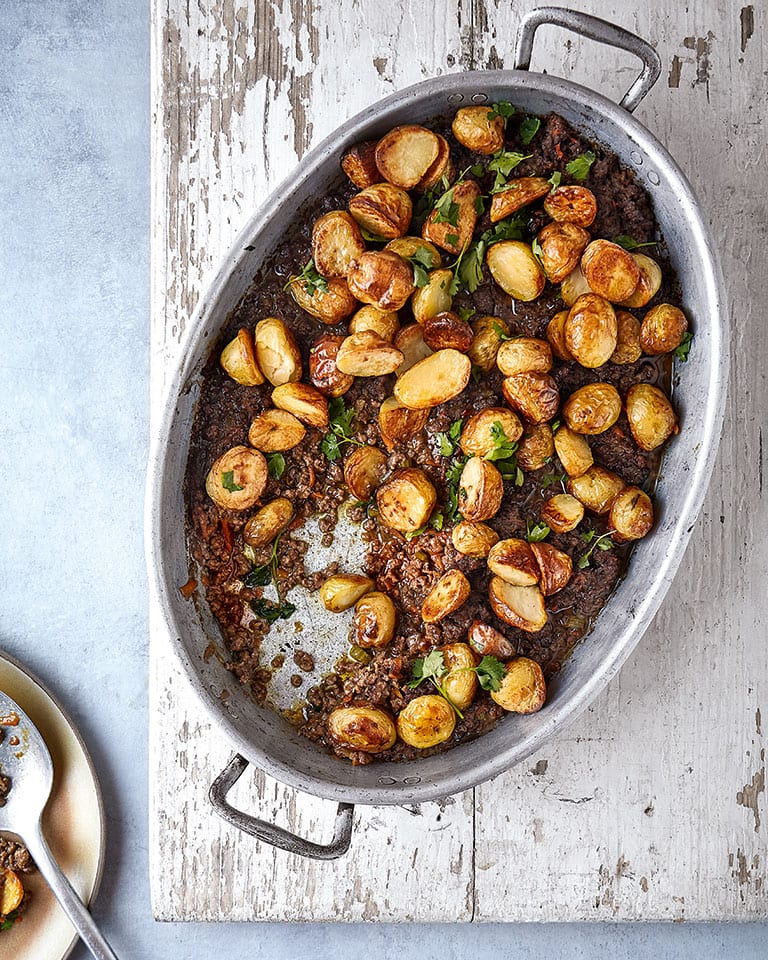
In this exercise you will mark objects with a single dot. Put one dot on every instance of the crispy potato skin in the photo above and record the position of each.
(556, 336)
(516, 270)
(440, 168)
(651, 417)
(439, 377)
(398, 423)
(383, 210)
(523, 355)
(628, 349)
(381, 278)
(478, 129)
(591, 330)
(648, 284)
(406, 500)
(238, 358)
(383, 322)
(336, 243)
(477, 435)
(249, 472)
(405, 154)
(519, 606)
(513, 561)
(442, 234)
(366, 354)
(556, 567)
(364, 470)
(596, 489)
(485, 346)
(561, 247)
(276, 430)
(517, 194)
(363, 728)
(489, 642)
(331, 306)
(473, 539)
(268, 522)
(610, 270)
(449, 593)
(433, 298)
(574, 286)
(572, 205)
(461, 684)
(359, 164)
(447, 331)
(12, 892)
(374, 621)
(306, 403)
(523, 689)
(562, 513)
(536, 446)
(481, 490)
(343, 590)
(573, 451)
(592, 409)
(663, 329)
(534, 395)
(277, 353)
(631, 514)
(323, 372)
(426, 721)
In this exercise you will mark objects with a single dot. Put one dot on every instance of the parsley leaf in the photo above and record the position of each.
(580, 167)
(422, 262)
(466, 313)
(261, 574)
(503, 163)
(451, 239)
(452, 478)
(536, 532)
(501, 109)
(490, 672)
(549, 478)
(310, 279)
(275, 465)
(271, 612)
(477, 170)
(685, 346)
(469, 266)
(449, 441)
(228, 481)
(503, 447)
(371, 237)
(340, 423)
(537, 252)
(528, 129)
(602, 542)
(447, 210)
(502, 334)
(629, 243)
(555, 179)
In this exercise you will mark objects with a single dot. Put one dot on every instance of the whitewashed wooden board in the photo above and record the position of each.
(652, 805)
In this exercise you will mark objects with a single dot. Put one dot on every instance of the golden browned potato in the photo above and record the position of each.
(628, 348)
(485, 346)
(374, 621)
(591, 330)
(383, 209)
(367, 354)
(331, 305)
(572, 205)
(383, 322)
(556, 336)
(434, 380)
(534, 395)
(406, 500)
(519, 606)
(268, 522)
(426, 721)
(407, 247)
(610, 270)
(574, 286)
(304, 402)
(336, 243)
(454, 237)
(573, 451)
(663, 329)
(276, 430)
(11, 892)
(276, 351)
(479, 129)
(481, 489)
(410, 342)
(562, 245)
(449, 593)
(536, 446)
(434, 297)
(237, 479)
(515, 269)
(405, 154)
(517, 194)
(523, 689)
(562, 513)
(481, 432)
(651, 417)
(343, 590)
(442, 167)
(649, 283)
(631, 514)
(488, 642)
(473, 539)
(555, 566)
(364, 728)
(398, 423)
(364, 470)
(381, 278)
(447, 331)
(461, 683)
(359, 164)
(238, 358)
(596, 488)
(323, 372)
(592, 409)
(522, 355)
(514, 562)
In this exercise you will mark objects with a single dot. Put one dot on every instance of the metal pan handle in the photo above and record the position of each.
(595, 29)
(269, 832)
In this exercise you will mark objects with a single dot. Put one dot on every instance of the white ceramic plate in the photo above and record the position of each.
(73, 823)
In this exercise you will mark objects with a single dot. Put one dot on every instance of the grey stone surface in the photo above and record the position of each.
(74, 210)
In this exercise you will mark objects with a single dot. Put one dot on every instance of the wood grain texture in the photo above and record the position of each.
(653, 804)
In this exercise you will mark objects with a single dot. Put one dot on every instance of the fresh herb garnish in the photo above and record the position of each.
(549, 478)
(270, 611)
(310, 279)
(228, 481)
(452, 478)
(451, 239)
(446, 209)
(602, 542)
(555, 179)
(275, 465)
(502, 334)
(450, 441)
(436, 521)
(629, 243)
(466, 313)
(490, 673)
(503, 447)
(502, 109)
(340, 429)
(469, 267)
(529, 127)
(685, 346)
(8, 921)
(580, 167)
(503, 163)
(264, 573)
(477, 170)
(537, 252)
(422, 262)
(371, 237)
(536, 532)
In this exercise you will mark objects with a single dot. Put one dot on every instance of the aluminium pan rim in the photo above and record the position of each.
(460, 776)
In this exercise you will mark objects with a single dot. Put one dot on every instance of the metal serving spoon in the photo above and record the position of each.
(30, 769)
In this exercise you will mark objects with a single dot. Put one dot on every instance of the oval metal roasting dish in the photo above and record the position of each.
(259, 734)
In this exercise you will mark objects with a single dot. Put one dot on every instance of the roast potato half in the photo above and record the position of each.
(238, 358)
(426, 721)
(276, 430)
(572, 204)
(364, 469)
(410, 342)
(434, 297)
(481, 489)
(473, 539)
(591, 331)
(336, 243)
(306, 403)
(610, 270)
(649, 283)
(513, 561)
(519, 606)
(561, 246)
(433, 380)
(536, 446)
(628, 349)
(522, 355)
(323, 372)
(343, 590)
(359, 164)
(383, 322)
(331, 305)
(442, 167)
(381, 278)
(515, 269)
(447, 331)
(574, 286)
(516, 195)
(592, 409)
(398, 423)
(523, 689)
(364, 728)
(596, 488)
(454, 236)
(405, 154)
(555, 566)
(479, 129)
(366, 354)
(631, 514)
(663, 329)
(383, 209)
(374, 621)
(461, 683)
(488, 332)
(406, 500)
(277, 353)
(573, 451)
(237, 479)
(489, 642)
(268, 522)
(556, 336)
(533, 395)
(479, 434)
(449, 593)
(562, 513)
(407, 247)
(651, 417)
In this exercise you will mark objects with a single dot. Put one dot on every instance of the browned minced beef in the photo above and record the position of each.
(407, 569)
(15, 856)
